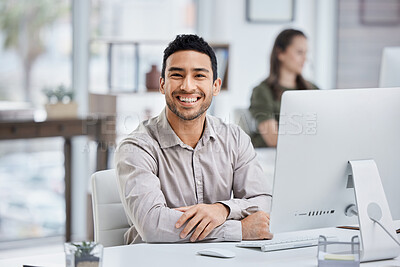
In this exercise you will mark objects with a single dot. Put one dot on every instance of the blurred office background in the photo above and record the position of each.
(103, 49)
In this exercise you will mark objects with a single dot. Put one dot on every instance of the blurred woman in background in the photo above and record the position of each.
(287, 60)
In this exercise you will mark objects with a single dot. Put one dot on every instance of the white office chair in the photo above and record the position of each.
(110, 221)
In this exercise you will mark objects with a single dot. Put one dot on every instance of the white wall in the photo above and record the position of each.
(250, 45)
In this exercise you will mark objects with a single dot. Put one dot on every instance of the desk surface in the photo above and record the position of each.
(177, 255)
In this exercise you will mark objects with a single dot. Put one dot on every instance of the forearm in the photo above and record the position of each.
(158, 225)
(256, 226)
(241, 208)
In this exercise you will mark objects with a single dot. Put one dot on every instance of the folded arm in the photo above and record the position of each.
(145, 203)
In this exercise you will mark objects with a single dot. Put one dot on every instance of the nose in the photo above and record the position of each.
(188, 83)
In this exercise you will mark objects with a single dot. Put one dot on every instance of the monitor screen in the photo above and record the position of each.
(319, 132)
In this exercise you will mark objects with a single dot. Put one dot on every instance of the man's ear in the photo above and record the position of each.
(162, 84)
(217, 86)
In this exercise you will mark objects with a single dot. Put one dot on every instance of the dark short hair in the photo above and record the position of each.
(190, 42)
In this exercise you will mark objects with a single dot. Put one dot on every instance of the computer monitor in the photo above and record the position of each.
(390, 67)
(320, 131)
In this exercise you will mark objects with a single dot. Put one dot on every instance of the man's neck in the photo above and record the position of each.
(189, 131)
(287, 78)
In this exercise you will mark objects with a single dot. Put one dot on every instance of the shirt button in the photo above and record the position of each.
(198, 182)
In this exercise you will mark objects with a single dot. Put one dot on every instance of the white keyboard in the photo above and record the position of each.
(281, 244)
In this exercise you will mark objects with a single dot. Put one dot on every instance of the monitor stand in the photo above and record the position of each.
(371, 201)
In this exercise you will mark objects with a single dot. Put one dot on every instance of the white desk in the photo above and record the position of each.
(177, 255)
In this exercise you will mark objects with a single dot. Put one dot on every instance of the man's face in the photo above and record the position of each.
(188, 85)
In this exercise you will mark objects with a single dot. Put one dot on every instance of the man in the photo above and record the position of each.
(177, 171)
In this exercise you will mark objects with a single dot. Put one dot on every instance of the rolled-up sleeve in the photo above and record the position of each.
(144, 201)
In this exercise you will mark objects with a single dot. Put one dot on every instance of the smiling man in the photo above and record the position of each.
(186, 176)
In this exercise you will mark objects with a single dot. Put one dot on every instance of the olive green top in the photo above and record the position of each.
(264, 106)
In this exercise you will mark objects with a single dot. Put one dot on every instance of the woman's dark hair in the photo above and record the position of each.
(190, 42)
(282, 41)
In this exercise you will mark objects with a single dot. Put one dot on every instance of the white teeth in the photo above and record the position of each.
(187, 99)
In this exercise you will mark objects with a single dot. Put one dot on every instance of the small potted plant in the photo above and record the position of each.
(83, 254)
(60, 103)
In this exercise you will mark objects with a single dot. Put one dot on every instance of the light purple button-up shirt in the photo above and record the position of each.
(157, 172)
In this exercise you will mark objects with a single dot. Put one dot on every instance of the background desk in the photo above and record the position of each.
(100, 129)
(184, 255)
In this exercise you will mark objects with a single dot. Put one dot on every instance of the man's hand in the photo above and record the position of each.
(256, 226)
(203, 217)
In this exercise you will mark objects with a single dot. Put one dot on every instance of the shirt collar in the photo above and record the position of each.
(209, 131)
(168, 138)
(166, 134)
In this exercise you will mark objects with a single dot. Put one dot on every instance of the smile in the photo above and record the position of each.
(188, 99)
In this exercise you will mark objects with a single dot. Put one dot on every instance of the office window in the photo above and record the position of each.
(35, 52)
(35, 39)
(31, 189)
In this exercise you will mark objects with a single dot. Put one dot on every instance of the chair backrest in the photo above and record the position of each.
(245, 120)
(110, 221)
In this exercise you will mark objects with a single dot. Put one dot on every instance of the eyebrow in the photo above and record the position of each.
(201, 69)
(175, 69)
(181, 69)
